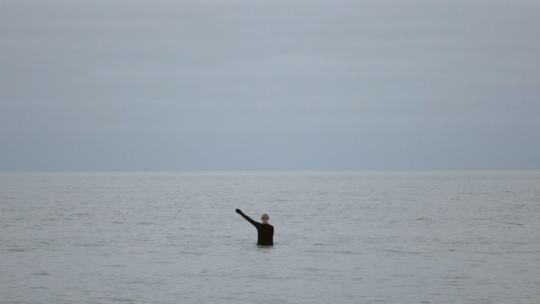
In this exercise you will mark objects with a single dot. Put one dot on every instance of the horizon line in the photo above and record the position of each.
(270, 170)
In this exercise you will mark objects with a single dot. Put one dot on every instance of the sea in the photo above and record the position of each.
(340, 237)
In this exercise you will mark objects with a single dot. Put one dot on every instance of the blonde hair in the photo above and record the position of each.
(265, 216)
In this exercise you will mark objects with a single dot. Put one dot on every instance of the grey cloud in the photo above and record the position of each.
(175, 85)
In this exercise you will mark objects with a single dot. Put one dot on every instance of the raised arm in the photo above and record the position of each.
(247, 217)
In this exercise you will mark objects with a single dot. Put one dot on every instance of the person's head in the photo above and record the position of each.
(265, 218)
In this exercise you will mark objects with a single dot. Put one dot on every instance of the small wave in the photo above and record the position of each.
(347, 252)
(113, 266)
(90, 245)
(118, 300)
(20, 249)
(402, 252)
(190, 253)
(457, 278)
(82, 213)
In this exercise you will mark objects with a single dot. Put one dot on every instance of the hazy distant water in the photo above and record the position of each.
(341, 237)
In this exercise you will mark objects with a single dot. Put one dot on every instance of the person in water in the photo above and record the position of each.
(264, 230)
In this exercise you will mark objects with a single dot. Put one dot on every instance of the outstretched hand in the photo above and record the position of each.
(238, 211)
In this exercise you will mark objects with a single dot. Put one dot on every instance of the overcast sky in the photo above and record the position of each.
(281, 84)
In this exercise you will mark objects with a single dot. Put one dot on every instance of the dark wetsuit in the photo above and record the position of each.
(265, 231)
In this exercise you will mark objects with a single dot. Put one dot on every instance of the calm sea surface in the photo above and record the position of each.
(340, 237)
